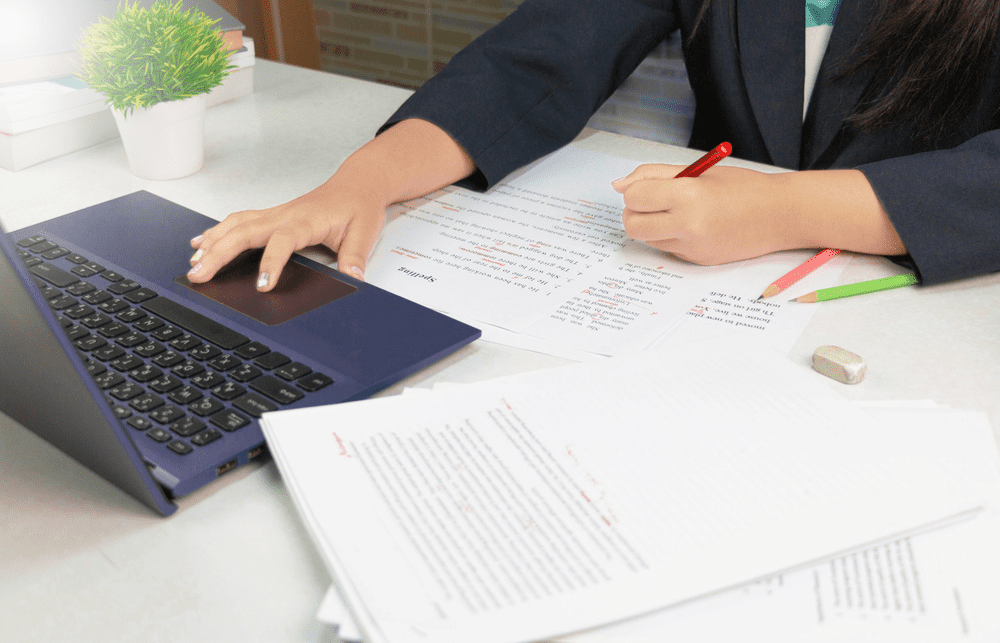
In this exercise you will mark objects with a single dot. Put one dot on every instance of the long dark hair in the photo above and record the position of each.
(928, 60)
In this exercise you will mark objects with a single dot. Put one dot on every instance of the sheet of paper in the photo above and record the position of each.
(518, 509)
(938, 586)
(545, 254)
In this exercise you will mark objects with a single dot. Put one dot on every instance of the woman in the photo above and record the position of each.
(898, 150)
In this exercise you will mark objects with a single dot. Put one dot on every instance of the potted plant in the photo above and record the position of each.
(155, 66)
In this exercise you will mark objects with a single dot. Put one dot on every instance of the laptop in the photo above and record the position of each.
(156, 383)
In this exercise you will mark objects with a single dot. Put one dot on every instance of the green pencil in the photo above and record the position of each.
(861, 288)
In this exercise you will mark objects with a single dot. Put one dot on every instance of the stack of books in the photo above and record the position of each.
(46, 112)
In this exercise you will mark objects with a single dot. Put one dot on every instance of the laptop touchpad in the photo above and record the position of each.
(299, 290)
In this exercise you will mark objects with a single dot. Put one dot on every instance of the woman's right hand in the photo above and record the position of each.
(346, 214)
(342, 217)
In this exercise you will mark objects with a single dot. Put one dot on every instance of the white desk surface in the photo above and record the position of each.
(81, 561)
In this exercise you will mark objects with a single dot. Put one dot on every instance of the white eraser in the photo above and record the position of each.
(839, 364)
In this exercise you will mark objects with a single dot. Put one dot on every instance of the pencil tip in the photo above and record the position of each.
(791, 300)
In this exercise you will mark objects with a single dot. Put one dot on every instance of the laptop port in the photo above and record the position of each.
(256, 452)
(222, 468)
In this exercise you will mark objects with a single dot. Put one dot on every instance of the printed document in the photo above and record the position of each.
(937, 586)
(544, 254)
(557, 501)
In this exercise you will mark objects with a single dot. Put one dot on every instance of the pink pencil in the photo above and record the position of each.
(798, 273)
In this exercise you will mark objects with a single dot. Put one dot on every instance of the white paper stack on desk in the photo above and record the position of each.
(536, 506)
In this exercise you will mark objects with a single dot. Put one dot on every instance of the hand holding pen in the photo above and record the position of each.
(724, 215)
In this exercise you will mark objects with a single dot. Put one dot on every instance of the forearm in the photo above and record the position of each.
(834, 209)
(410, 159)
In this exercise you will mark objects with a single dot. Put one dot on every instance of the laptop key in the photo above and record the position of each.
(76, 332)
(187, 369)
(84, 271)
(139, 296)
(159, 435)
(254, 404)
(140, 423)
(272, 360)
(187, 426)
(185, 343)
(122, 286)
(114, 329)
(208, 379)
(146, 402)
(168, 359)
(55, 253)
(164, 384)
(229, 420)
(62, 302)
(252, 350)
(195, 322)
(166, 414)
(313, 382)
(225, 362)
(90, 343)
(44, 246)
(186, 395)
(30, 241)
(126, 363)
(108, 353)
(149, 349)
(111, 306)
(293, 371)
(111, 275)
(81, 288)
(180, 447)
(245, 373)
(96, 320)
(126, 391)
(228, 391)
(276, 389)
(53, 274)
(145, 373)
(108, 380)
(206, 407)
(206, 436)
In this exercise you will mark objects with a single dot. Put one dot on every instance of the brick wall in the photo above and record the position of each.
(405, 42)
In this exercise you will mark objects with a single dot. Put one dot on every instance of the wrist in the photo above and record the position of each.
(833, 209)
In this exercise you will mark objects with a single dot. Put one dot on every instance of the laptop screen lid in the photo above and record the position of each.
(46, 388)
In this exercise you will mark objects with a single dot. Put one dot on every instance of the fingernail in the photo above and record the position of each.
(263, 279)
(195, 269)
(197, 239)
(357, 272)
(197, 255)
(619, 180)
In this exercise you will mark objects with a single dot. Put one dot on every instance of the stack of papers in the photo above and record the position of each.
(561, 502)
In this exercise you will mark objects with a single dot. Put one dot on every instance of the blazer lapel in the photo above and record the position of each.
(834, 99)
(772, 58)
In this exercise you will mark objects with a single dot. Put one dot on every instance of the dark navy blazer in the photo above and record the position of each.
(530, 84)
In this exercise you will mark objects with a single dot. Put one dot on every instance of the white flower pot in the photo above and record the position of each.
(165, 141)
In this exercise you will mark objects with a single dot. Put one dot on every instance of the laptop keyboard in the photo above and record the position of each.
(182, 379)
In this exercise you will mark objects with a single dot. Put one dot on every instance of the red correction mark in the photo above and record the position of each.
(340, 443)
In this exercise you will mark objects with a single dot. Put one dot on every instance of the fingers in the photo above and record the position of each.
(357, 244)
(644, 172)
(219, 245)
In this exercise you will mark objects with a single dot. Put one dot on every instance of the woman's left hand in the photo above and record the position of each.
(730, 213)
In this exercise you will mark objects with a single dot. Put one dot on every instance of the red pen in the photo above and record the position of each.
(721, 151)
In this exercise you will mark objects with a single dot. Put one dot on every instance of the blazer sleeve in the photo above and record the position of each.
(945, 205)
(529, 85)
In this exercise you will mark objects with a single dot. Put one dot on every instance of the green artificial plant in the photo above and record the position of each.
(141, 57)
